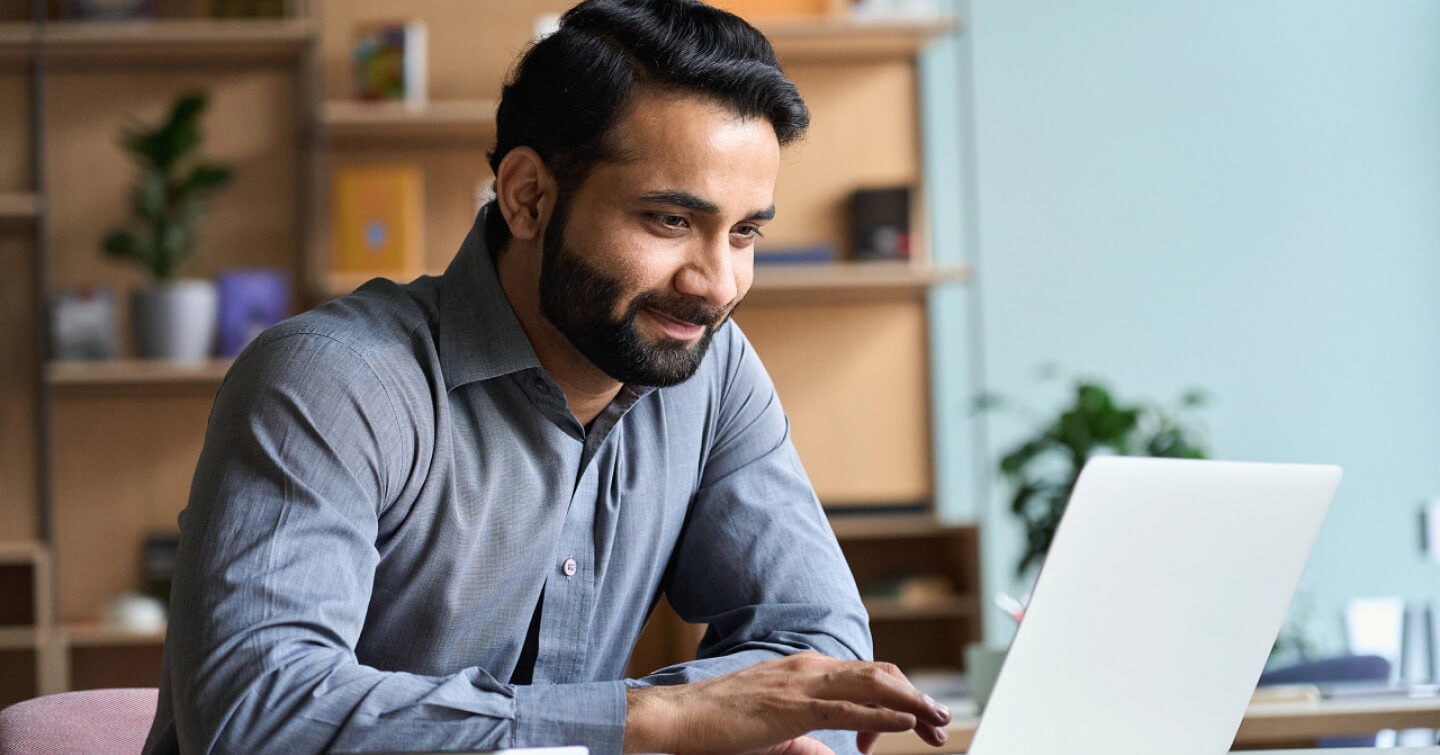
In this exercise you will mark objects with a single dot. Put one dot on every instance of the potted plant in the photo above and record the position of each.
(173, 318)
(1043, 468)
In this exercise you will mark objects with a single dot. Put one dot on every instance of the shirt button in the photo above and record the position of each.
(569, 567)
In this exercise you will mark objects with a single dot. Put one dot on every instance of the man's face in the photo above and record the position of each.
(651, 253)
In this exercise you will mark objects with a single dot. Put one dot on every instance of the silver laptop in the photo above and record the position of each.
(1156, 608)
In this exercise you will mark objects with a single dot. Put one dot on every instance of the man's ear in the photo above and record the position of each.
(525, 191)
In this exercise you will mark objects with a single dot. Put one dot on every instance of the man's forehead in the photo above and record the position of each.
(692, 150)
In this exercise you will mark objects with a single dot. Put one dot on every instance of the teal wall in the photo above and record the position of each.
(1241, 196)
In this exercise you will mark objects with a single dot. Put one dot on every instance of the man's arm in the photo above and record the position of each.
(759, 564)
(277, 559)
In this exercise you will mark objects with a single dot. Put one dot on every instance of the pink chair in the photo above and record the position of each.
(99, 721)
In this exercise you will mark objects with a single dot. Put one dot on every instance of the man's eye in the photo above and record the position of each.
(671, 221)
(749, 232)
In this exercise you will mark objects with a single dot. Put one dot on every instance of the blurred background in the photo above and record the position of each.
(1219, 220)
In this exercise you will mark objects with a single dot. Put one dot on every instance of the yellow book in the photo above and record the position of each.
(378, 221)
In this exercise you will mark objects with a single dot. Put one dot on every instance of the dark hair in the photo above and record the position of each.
(570, 89)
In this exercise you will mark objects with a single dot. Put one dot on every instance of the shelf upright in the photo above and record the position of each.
(40, 270)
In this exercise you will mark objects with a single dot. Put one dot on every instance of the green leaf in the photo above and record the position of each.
(149, 200)
(1022, 496)
(170, 188)
(1194, 398)
(125, 245)
(206, 177)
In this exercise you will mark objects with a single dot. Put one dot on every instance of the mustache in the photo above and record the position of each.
(683, 308)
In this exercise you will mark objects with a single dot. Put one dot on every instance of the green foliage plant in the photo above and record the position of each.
(171, 192)
(1043, 468)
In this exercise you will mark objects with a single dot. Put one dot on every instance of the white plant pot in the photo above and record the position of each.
(175, 320)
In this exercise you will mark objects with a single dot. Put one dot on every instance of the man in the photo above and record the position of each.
(436, 516)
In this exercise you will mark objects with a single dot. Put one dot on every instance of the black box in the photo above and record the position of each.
(880, 223)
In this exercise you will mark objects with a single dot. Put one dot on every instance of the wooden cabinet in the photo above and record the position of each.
(98, 456)
(28, 650)
(921, 584)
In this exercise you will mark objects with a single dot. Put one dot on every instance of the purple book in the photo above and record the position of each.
(251, 300)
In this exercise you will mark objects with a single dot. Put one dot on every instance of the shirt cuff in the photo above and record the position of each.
(554, 715)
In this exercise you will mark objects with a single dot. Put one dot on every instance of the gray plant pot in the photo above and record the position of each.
(175, 320)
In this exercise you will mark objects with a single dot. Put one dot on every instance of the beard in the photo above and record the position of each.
(580, 300)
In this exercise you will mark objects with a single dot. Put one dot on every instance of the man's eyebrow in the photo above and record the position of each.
(683, 199)
(691, 202)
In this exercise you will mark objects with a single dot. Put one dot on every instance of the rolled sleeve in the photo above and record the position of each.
(566, 714)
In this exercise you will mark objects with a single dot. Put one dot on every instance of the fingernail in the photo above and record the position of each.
(942, 710)
(941, 735)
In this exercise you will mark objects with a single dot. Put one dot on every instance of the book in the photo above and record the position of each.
(818, 254)
(377, 216)
(250, 301)
(390, 62)
(107, 10)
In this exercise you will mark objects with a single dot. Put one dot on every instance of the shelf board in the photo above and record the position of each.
(103, 635)
(136, 372)
(845, 40)
(439, 120)
(890, 527)
(779, 283)
(20, 638)
(21, 552)
(890, 609)
(167, 39)
(19, 207)
(17, 40)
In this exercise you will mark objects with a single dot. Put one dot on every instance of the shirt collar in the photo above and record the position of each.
(480, 336)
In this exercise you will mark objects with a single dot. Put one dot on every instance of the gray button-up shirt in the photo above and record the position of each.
(391, 485)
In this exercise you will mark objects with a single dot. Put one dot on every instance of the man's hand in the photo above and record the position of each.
(769, 707)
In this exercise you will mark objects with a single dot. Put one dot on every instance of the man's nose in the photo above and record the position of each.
(709, 274)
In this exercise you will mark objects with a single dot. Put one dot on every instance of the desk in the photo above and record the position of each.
(1264, 724)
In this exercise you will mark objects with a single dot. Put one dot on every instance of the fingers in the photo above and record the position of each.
(933, 735)
(883, 685)
(865, 741)
(842, 714)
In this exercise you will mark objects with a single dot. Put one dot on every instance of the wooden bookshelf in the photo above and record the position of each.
(84, 635)
(135, 372)
(16, 42)
(28, 657)
(849, 279)
(96, 656)
(889, 609)
(19, 207)
(441, 120)
(199, 40)
(784, 283)
(841, 40)
(920, 633)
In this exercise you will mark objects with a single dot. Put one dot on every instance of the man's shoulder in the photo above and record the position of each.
(377, 320)
(384, 329)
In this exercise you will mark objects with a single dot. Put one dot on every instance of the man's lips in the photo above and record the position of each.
(680, 330)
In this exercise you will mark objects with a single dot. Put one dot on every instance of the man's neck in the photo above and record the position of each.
(588, 390)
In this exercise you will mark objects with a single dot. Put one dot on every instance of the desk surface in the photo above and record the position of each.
(1265, 723)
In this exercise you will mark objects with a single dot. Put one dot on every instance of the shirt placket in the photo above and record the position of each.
(570, 592)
